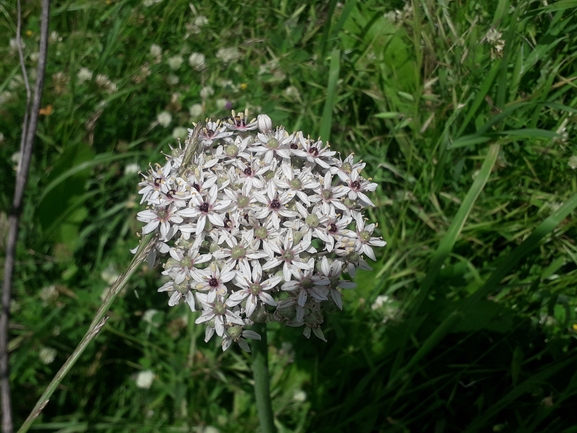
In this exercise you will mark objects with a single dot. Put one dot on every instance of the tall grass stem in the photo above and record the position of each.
(97, 323)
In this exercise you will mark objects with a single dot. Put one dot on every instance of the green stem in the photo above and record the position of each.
(97, 323)
(262, 380)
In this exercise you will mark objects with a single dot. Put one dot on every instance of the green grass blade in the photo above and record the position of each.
(100, 159)
(526, 247)
(327, 119)
(525, 387)
(439, 257)
(483, 91)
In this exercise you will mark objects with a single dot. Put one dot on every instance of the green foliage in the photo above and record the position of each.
(465, 115)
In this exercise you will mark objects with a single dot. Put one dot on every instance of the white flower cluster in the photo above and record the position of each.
(260, 225)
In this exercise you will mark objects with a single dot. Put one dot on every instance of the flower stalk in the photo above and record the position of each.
(262, 380)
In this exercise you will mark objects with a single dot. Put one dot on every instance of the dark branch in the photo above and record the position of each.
(29, 126)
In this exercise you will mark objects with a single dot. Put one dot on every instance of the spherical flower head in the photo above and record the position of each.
(195, 110)
(175, 62)
(573, 162)
(155, 50)
(206, 92)
(197, 61)
(164, 118)
(228, 55)
(258, 225)
(84, 74)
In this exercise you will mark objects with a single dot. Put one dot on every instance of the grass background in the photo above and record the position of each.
(465, 113)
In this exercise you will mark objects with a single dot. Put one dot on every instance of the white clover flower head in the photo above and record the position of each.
(155, 50)
(144, 379)
(292, 92)
(13, 44)
(148, 317)
(104, 83)
(195, 26)
(6, 96)
(47, 355)
(494, 38)
(54, 37)
(200, 21)
(172, 80)
(197, 61)
(206, 92)
(258, 225)
(573, 162)
(48, 294)
(164, 118)
(228, 55)
(179, 133)
(195, 111)
(84, 74)
(221, 103)
(175, 62)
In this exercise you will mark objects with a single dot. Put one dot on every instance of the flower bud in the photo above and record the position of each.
(264, 123)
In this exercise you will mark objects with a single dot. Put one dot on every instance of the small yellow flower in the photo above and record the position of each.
(243, 86)
(574, 327)
(28, 32)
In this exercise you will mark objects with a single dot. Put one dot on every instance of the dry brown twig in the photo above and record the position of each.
(29, 125)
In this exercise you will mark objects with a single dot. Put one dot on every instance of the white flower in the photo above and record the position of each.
(144, 379)
(54, 37)
(48, 294)
(148, 317)
(573, 162)
(104, 83)
(292, 92)
(228, 55)
(253, 289)
(200, 21)
(13, 44)
(163, 218)
(260, 224)
(221, 103)
(206, 92)
(172, 80)
(218, 311)
(179, 133)
(156, 52)
(195, 111)
(175, 62)
(109, 274)
(195, 27)
(264, 123)
(164, 118)
(131, 169)
(6, 96)
(84, 74)
(47, 355)
(197, 61)
(15, 158)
